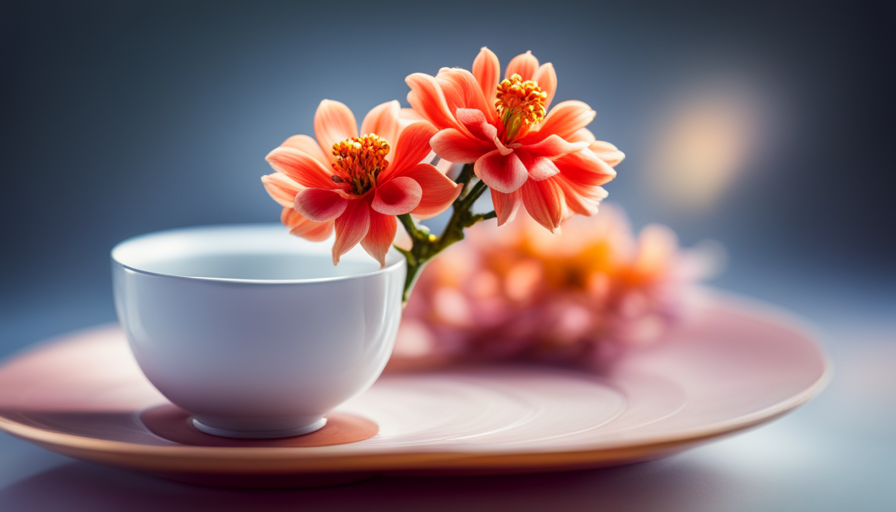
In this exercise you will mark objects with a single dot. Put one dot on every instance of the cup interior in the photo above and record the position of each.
(243, 253)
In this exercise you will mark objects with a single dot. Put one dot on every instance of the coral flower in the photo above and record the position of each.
(585, 296)
(357, 184)
(547, 161)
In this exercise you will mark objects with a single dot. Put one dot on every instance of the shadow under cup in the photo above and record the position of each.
(253, 331)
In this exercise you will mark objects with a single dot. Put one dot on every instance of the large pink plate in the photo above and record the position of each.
(741, 365)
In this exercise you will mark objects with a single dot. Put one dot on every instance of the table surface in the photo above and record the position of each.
(836, 453)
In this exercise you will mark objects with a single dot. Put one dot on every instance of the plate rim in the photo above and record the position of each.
(334, 459)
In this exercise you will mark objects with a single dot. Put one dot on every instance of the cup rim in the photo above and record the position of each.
(399, 262)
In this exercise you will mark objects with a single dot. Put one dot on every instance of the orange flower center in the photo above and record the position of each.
(519, 104)
(359, 160)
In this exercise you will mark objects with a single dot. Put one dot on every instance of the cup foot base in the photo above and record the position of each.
(174, 424)
(260, 434)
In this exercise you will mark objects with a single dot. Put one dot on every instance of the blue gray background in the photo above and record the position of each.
(120, 118)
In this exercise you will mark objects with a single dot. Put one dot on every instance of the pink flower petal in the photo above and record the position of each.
(411, 148)
(403, 240)
(541, 168)
(581, 135)
(351, 227)
(438, 190)
(462, 90)
(397, 196)
(607, 152)
(454, 146)
(407, 117)
(544, 202)
(319, 204)
(524, 65)
(476, 123)
(487, 71)
(554, 147)
(563, 120)
(446, 167)
(305, 228)
(579, 199)
(300, 166)
(307, 145)
(281, 188)
(379, 236)
(383, 120)
(502, 173)
(410, 115)
(333, 122)
(506, 205)
(429, 101)
(504, 150)
(546, 78)
(584, 168)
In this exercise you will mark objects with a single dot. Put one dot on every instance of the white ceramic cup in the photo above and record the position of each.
(252, 330)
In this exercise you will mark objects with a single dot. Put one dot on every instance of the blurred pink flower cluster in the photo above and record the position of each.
(583, 296)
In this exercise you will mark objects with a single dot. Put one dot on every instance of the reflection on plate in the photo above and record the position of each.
(743, 364)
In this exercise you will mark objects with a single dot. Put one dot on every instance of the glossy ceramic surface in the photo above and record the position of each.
(742, 365)
(252, 330)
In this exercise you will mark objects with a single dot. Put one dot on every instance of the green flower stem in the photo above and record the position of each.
(426, 245)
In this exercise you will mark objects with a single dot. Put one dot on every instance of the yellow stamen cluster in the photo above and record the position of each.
(520, 102)
(359, 160)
